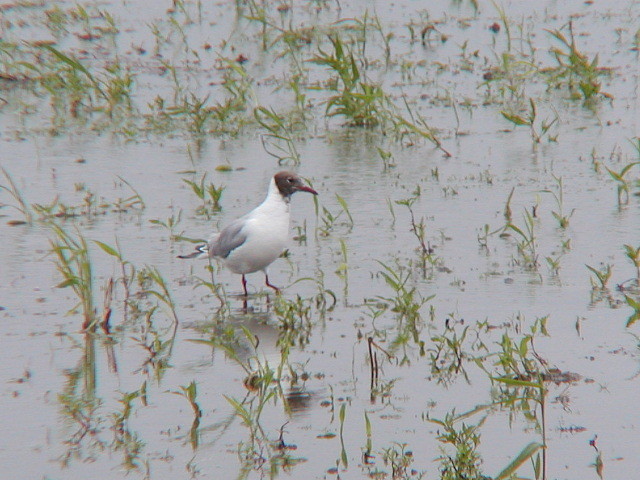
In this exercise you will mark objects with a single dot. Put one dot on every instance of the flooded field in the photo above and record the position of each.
(460, 301)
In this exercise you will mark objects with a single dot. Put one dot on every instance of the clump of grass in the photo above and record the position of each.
(447, 354)
(124, 439)
(602, 276)
(400, 459)
(635, 304)
(419, 231)
(264, 385)
(388, 162)
(330, 219)
(76, 87)
(513, 70)
(91, 206)
(361, 102)
(530, 120)
(57, 20)
(170, 224)
(209, 194)
(195, 112)
(104, 92)
(79, 405)
(633, 254)
(519, 395)
(190, 393)
(526, 241)
(406, 303)
(465, 462)
(280, 136)
(521, 376)
(519, 373)
(156, 342)
(364, 103)
(21, 204)
(238, 86)
(155, 285)
(575, 70)
(558, 196)
(74, 264)
(127, 271)
(295, 321)
(622, 183)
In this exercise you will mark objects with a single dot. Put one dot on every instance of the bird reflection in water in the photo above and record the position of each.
(256, 341)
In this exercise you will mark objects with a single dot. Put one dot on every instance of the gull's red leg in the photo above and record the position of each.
(266, 281)
(244, 285)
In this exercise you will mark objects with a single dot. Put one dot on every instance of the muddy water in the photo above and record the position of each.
(63, 391)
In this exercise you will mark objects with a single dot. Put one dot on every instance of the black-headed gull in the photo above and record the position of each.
(254, 241)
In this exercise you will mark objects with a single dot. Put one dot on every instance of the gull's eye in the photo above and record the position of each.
(290, 179)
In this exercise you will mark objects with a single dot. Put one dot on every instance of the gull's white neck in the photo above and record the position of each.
(274, 203)
(274, 195)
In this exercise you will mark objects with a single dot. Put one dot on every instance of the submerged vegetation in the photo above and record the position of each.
(418, 129)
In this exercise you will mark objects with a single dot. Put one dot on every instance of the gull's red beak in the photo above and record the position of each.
(305, 188)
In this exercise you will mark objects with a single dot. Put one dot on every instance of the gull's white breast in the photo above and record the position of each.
(267, 231)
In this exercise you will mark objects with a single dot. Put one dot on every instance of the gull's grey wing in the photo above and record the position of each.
(230, 238)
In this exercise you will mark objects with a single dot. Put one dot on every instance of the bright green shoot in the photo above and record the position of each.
(601, 275)
(622, 182)
(635, 304)
(558, 195)
(633, 254)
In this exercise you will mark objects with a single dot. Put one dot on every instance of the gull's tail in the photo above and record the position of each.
(201, 251)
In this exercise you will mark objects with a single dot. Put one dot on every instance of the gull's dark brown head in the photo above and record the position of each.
(289, 183)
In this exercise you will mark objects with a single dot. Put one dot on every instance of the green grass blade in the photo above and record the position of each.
(68, 60)
(107, 249)
(344, 206)
(512, 382)
(75, 65)
(515, 119)
(526, 453)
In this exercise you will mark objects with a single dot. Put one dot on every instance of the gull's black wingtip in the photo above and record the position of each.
(191, 255)
(199, 251)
